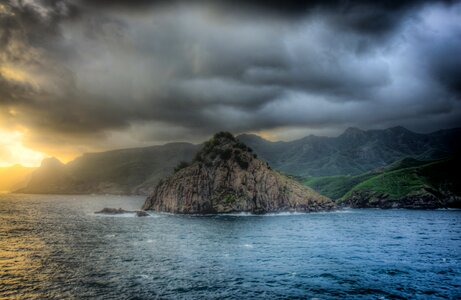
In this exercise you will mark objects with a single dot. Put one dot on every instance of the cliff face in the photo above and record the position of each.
(227, 177)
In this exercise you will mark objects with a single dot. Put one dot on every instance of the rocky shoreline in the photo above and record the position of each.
(416, 201)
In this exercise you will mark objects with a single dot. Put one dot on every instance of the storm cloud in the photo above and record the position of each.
(107, 74)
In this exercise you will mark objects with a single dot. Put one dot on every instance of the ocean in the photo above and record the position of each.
(55, 247)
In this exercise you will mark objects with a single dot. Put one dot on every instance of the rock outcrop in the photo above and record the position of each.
(119, 211)
(227, 177)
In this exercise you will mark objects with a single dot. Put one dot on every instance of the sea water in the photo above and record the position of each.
(56, 247)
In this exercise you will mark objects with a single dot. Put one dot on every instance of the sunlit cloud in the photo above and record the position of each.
(12, 151)
(17, 75)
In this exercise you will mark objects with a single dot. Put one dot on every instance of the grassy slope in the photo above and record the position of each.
(397, 180)
(396, 184)
(440, 176)
(335, 187)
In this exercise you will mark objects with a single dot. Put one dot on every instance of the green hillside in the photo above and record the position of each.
(335, 187)
(407, 183)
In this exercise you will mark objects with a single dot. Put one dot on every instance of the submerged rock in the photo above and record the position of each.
(227, 177)
(141, 213)
(112, 211)
(118, 211)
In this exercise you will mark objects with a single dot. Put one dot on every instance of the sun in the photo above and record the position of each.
(12, 151)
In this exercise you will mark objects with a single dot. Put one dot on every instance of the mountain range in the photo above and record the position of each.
(353, 152)
(126, 171)
(138, 170)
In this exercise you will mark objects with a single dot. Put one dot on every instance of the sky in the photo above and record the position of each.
(91, 75)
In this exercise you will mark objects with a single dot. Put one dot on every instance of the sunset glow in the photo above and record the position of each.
(12, 151)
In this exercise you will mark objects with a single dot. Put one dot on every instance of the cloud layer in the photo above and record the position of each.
(87, 75)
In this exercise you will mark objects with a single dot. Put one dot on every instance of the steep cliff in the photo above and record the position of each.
(227, 177)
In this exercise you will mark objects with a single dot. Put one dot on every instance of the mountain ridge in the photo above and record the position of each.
(137, 170)
(353, 152)
(121, 171)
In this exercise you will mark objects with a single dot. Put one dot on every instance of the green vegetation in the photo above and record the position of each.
(395, 184)
(244, 147)
(407, 162)
(439, 177)
(241, 161)
(224, 135)
(335, 187)
(213, 149)
(181, 165)
(209, 147)
(399, 180)
(226, 154)
(230, 198)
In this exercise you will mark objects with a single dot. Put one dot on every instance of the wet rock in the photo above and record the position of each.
(141, 213)
(118, 211)
(112, 211)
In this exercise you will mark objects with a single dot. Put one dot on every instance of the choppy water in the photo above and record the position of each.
(55, 247)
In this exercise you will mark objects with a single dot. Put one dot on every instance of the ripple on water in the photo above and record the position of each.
(56, 247)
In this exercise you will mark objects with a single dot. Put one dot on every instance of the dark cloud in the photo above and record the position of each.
(446, 67)
(153, 71)
(365, 16)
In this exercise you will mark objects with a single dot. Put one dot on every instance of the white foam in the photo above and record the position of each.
(249, 214)
(124, 215)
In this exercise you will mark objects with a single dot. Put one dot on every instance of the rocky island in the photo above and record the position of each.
(225, 177)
